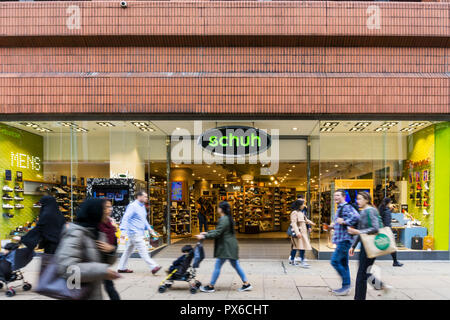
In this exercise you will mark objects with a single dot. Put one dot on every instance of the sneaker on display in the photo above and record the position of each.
(7, 206)
(19, 206)
(7, 197)
(7, 215)
(426, 186)
(37, 205)
(7, 189)
(18, 198)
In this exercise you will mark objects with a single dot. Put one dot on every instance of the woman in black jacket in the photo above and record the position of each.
(48, 229)
(386, 214)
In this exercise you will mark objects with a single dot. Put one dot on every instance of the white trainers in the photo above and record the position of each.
(6, 188)
(303, 264)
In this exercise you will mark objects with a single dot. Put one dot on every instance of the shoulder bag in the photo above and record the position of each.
(379, 244)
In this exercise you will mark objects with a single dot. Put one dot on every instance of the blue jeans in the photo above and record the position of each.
(294, 251)
(339, 261)
(234, 263)
(202, 223)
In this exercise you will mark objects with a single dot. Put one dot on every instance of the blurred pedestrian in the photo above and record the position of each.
(79, 247)
(225, 247)
(300, 242)
(134, 224)
(385, 209)
(47, 231)
(110, 247)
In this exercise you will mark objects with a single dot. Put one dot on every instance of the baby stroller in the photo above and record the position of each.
(10, 265)
(181, 269)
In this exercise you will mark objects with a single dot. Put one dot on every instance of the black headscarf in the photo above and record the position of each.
(49, 225)
(90, 214)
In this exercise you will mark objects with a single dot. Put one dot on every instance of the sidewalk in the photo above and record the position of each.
(275, 279)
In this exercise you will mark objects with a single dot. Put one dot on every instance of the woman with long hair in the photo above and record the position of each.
(225, 247)
(385, 209)
(299, 242)
(369, 223)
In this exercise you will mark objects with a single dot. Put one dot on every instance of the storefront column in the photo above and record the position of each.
(168, 193)
(308, 175)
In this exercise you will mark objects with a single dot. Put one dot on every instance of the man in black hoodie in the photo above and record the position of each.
(48, 229)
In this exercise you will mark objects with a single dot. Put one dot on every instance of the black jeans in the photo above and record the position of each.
(109, 288)
(202, 221)
(362, 276)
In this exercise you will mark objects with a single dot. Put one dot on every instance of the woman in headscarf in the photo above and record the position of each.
(79, 248)
(48, 228)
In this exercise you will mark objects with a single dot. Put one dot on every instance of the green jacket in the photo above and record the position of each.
(225, 243)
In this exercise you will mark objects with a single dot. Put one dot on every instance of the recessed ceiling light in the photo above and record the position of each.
(293, 166)
(193, 174)
(336, 165)
(43, 129)
(295, 129)
(272, 178)
(140, 124)
(178, 128)
(81, 130)
(290, 170)
(330, 124)
(105, 124)
(214, 171)
(355, 129)
(417, 124)
(68, 124)
(406, 129)
(381, 129)
(326, 129)
(389, 124)
(362, 124)
(156, 170)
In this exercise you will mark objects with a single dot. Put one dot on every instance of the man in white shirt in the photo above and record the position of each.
(134, 224)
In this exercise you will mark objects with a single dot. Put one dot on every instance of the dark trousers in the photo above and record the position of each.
(50, 247)
(363, 275)
(202, 222)
(394, 256)
(109, 288)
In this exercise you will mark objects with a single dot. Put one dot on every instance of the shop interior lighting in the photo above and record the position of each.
(381, 129)
(417, 124)
(40, 129)
(330, 124)
(326, 129)
(364, 124)
(140, 124)
(357, 129)
(406, 129)
(81, 130)
(105, 124)
(295, 129)
(30, 124)
(68, 124)
(389, 124)
(146, 129)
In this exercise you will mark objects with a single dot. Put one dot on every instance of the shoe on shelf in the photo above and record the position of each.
(7, 215)
(19, 206)
(8, 206)
(7, 189)
(207, 289)
(18, 198)
(245, 287)
(344, 291)
(125, 271)
(397, 264)
(156, 269)
(7, 197)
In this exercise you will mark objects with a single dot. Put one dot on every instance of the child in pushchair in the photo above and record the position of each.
(181, 269)
(11, 261)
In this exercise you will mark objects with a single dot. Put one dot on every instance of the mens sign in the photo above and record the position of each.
(235, 141)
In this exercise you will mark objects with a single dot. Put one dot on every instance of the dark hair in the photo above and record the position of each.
(342, 192)
(297, 204)
(366, 196)
(226, 208)
(90, 214)
(140, 193)
(300, 196)
(384, 203)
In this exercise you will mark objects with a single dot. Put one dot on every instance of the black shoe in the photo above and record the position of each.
(8, 216)
(397, 264)
(207, 288)
(246, 287)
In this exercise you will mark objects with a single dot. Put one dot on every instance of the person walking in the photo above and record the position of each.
(385, 209)
(79, 247)
(225, 247)
(369, 223)
(345, 216)
(106, 226)
(300, 242)
(47, 231)
(134, 224)
(202, 220)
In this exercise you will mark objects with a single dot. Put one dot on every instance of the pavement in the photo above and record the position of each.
(274, 279)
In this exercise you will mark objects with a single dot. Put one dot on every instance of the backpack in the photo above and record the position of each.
(354, 205)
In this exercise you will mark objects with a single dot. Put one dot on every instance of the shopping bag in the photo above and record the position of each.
(379, 244)
(428, 243)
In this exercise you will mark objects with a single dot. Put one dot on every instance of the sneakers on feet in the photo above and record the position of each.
(344, 291)
(245, 287)
(397, 264)
(303, 264)
(156, 269)
(207, 289)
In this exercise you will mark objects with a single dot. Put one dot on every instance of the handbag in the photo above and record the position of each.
(52, 285)
(379, 244)
(290, 232)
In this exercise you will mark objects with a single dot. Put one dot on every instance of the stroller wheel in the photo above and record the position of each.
(198, 284)
(10, 293)
(168, 285)
(194, 290)
(1, 285)
(162, 289)
(26, 287)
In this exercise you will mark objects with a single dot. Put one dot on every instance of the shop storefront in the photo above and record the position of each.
(260, 167)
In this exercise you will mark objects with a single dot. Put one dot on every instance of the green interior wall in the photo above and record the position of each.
(442, 185)
(421, 146)
(26, 145)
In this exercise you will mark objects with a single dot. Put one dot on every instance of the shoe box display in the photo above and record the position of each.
(419, 189)
(180, 224)
(67, 197)
(11, 198)
(158, 205)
